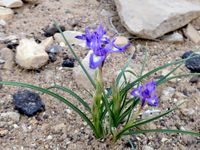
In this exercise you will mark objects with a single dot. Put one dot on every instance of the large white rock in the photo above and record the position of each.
(11, 3)
(70, 36)
(31, 55)
(6, 13)
(153, 18)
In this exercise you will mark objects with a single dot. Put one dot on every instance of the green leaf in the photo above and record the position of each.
(144, 62)
(162, 131)
(55, 95)
(127, 111)
(139, 123)
(76, 57)
(130, 85)
(123, 70)
(163, 78)
(179, 76)
(69, 91)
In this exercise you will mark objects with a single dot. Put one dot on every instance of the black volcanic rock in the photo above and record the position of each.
(28, 102)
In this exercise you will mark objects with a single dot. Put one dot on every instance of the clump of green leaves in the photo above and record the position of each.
(114, 113)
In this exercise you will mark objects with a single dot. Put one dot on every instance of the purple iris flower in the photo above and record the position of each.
(146, 93)
(100, 45)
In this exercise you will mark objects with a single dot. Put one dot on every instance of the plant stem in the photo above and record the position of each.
(97, 109)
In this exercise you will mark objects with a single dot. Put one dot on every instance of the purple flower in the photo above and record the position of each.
(146, 93)
(100, 46)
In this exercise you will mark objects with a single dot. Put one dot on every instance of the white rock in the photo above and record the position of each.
(121, 40)
(31, 55)
(192, 34)
(6, 13)
(2, 22)
(47, 42)
(167, 94)
(146, 147)
(153, 18)
(79, 75)
(174, 38)
(11, 3)
(10, 116)
(70, 36)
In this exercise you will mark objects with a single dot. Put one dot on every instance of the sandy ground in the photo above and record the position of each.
(42, 131)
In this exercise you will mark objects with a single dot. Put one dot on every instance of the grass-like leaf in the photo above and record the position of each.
(139, 123)
(130, 85)
(76, 57)
(55, 95)
(123, 70)
(131, 132)
(69, 91)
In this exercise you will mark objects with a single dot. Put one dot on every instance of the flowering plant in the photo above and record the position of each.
(114, 113)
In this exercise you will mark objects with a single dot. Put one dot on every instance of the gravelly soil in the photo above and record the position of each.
(58, 127)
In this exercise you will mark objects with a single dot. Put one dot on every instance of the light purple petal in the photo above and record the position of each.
(153, 101)
(151, 86)
(101, 32)
(137, 91)
(96, 61)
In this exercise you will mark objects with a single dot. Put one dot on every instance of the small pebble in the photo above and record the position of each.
(51, 30)
(193, 64)
(194, 79)
(54, 49)
(68, 63)
(52, 57)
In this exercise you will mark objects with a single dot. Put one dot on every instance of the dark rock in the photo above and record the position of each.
(187, 54)
(28, 102)
(68, 63)
(193, 64)
(52, 57)
(54, 49)
(194, 79)
(12, 45)
(51, 30)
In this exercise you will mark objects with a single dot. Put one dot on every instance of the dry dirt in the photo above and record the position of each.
(39, 132)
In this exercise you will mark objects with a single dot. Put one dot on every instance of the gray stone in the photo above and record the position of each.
(174, 38)
(167, 94)
(192, 34)
(153, 18)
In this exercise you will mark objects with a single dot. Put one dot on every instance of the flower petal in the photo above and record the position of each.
(151, 86)
(101, 32)
(96, 60)
(153, 101)
(137, 91)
